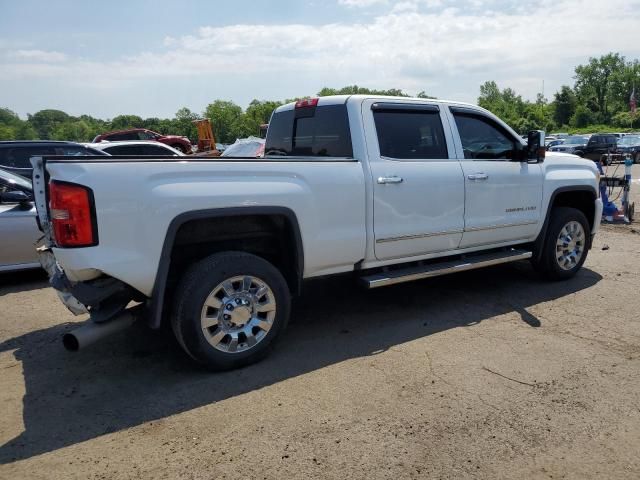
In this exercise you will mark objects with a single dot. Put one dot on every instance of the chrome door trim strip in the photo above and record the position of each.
(494, 227)
(417, 236)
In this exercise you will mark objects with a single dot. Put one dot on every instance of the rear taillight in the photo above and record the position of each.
(72, 214)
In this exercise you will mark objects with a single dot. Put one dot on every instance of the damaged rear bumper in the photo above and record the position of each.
(103, 298)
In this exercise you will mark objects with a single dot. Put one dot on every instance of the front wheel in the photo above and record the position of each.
(230, 307)
(565, 245)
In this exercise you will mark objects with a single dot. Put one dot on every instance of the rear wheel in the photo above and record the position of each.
(229, 309)
(565, 245)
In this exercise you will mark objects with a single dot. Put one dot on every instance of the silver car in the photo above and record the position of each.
(18, 228)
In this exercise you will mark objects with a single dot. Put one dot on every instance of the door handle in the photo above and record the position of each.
(383, 180)
(478, 176)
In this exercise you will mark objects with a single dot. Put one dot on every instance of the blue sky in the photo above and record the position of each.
(153, 57)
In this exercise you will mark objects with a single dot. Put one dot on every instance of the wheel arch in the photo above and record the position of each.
(157, 302)
(581, 197)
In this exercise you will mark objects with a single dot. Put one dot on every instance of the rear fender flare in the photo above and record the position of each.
(156, 303)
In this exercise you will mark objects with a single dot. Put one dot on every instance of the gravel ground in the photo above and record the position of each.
(487, 374)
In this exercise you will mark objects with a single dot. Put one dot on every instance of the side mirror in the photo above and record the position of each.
(535, 146)
(15, 196)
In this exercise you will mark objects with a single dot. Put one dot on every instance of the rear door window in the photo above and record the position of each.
(410, 133)
(312, 131)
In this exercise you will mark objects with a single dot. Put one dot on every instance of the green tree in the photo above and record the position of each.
(423, 94)
(25, 131)
(520, 114)
(226, 120)
(9, 117)
(622, 84)
(258, 113)
(7, 132)
(183, 123)
(565, 103)
(582, 117)
(123, 122)
(355, 90)
(594, 82)
(46, 121)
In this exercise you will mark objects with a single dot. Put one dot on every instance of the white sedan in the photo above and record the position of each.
(136, 148)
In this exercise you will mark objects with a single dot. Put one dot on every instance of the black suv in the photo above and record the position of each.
(15, 155)
(598, 145)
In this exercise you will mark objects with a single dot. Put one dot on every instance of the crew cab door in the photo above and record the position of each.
(418, 187)
(502, 197)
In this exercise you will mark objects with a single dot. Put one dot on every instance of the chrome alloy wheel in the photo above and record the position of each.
(238, 314)
(570, 245)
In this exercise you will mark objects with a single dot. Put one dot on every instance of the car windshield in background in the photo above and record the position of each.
(20, 182)
(316, 132)
(575, 141)
(19, 156)
(244, 148)
(630, 140)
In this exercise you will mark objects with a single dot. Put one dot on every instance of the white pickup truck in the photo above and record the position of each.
(390, 189)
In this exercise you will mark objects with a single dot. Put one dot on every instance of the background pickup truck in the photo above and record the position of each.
(390, 189)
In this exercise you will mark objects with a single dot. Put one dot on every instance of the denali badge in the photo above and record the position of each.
(521, 209)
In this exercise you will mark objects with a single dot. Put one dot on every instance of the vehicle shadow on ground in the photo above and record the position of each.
(142, 375)
(22, 281)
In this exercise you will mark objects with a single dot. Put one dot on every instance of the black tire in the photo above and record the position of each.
(179, 146)
(547, 262)
(199, 281)
(636, 158)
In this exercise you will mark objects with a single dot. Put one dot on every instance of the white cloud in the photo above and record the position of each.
(39, 56)
(418, 45)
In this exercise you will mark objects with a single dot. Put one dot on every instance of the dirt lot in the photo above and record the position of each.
(489, 374)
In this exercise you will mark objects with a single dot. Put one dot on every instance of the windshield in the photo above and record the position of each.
(250, 147)
(575, 141)
(19, 182)
(629, 140)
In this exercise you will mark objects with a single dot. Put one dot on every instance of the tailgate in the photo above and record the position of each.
(40, 196)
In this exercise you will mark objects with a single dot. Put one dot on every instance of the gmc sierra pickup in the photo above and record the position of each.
(391, 189)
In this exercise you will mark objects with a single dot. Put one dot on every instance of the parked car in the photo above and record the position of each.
(179, 143)
(553, 143)
(137, 148)
(630, 145)
(571, 144)
(390, 189)
(15, 155)
(18, 228)
(598, 145)
(245, 147)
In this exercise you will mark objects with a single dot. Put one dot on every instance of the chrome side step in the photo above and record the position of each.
(444, 268)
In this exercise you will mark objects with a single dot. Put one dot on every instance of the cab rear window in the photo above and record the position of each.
(312, 131)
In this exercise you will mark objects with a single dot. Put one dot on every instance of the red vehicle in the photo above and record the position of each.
(181, 143)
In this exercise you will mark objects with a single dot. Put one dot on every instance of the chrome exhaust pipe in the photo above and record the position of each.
(90, 332)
